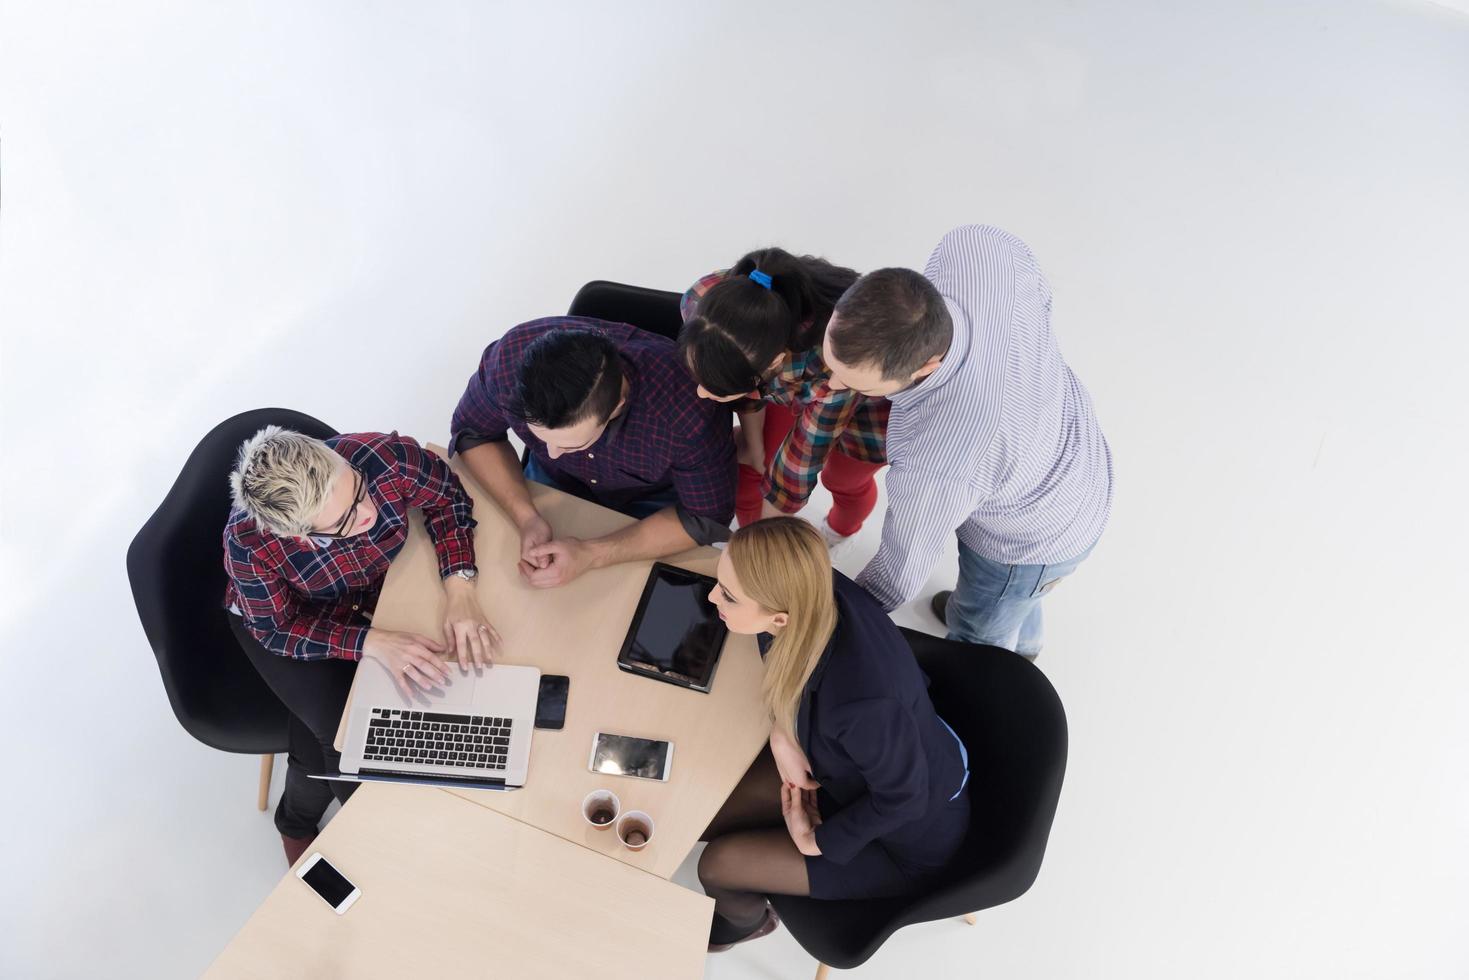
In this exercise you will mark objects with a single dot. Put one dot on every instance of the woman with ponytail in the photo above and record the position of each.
(752, 335)
(862, 792)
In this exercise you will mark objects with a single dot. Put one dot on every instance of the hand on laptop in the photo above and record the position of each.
(564, 559)
(467, 633)
(408, 657)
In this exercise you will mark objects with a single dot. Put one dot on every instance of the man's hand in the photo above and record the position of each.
(408, 657)
(557, 562)
(790, 761)
(466, 630)
(534, 532)
(802, 816)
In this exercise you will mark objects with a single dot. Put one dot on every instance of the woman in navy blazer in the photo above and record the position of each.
(862, 792)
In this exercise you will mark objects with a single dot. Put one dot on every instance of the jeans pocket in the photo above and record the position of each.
(1049, 578)
(982, 581)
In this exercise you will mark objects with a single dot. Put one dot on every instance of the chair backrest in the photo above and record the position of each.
(653, 310)
(176, 568)
(1013, 724)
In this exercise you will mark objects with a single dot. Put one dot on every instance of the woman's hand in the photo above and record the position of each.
(408, 657)
(798, 806)
(750, 438)
(747, 452)
(790, 761)
(466, 630)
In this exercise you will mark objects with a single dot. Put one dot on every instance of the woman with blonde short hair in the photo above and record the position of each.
(314, 526)
(862, 792)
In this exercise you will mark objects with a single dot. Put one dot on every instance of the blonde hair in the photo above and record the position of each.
(282, 479)
(783, 564)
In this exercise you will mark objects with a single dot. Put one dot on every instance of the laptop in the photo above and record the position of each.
(473, 732)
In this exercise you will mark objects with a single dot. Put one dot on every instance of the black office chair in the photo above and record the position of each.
(654, 310)
(176, 568)
(1014, 727)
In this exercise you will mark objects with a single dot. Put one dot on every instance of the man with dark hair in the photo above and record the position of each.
(990, 433)
(609, 414)
(895, 328)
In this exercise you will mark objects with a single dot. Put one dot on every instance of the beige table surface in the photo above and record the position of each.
(577, 630)
(450, 889)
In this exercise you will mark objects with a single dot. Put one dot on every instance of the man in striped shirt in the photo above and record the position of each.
(990, 435)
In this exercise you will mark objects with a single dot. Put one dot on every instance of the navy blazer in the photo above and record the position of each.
(886, 763)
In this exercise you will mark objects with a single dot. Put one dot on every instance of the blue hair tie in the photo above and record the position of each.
(763, 278)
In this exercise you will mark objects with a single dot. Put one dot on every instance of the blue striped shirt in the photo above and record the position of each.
(1001, 442)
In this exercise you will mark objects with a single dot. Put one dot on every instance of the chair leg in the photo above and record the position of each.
(822, 970)
(971, 918)
(267, 765)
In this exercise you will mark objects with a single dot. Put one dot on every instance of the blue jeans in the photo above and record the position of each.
(639, 507)
(1000, 605)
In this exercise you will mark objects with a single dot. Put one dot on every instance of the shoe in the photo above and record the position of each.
(295, 847)
(767, 925)
(939, 604)
(836, 542)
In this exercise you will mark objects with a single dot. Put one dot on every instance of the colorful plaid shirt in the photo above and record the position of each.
(667, 437)
(306, 598)
(848, 421)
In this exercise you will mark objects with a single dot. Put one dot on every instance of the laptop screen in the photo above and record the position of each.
(676, 634)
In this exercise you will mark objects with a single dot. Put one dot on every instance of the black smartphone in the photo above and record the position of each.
(551, 705)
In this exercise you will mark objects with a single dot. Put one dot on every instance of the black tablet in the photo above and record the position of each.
(676, 635)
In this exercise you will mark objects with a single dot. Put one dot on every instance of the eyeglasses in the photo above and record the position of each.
(350, 518)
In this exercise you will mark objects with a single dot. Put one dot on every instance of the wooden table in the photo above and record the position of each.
(450, 889)
(473, 883)
(577, 630)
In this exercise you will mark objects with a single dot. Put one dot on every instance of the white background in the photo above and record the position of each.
(1254, 220)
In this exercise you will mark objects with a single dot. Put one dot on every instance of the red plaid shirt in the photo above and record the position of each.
(306, 598)
(667, 436)
(847, 421)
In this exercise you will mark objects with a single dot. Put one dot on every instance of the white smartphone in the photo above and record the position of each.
(328, 882)
(625, 755)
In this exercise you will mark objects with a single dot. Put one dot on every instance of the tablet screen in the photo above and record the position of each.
(677, 634)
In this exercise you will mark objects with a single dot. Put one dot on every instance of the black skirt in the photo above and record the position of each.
(881, 870)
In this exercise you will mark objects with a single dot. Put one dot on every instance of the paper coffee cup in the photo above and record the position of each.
(635, 830)
(600, 808)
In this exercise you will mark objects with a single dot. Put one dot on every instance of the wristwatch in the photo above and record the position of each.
(468, 574)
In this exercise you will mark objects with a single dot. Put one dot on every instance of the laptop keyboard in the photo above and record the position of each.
(437, 739)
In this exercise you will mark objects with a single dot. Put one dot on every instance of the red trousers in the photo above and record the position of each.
(853, 490)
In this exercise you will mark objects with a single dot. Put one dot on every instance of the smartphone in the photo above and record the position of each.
(625, 755)
(551, 704)
(328, 882)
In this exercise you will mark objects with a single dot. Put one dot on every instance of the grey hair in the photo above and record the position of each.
(282, 479)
